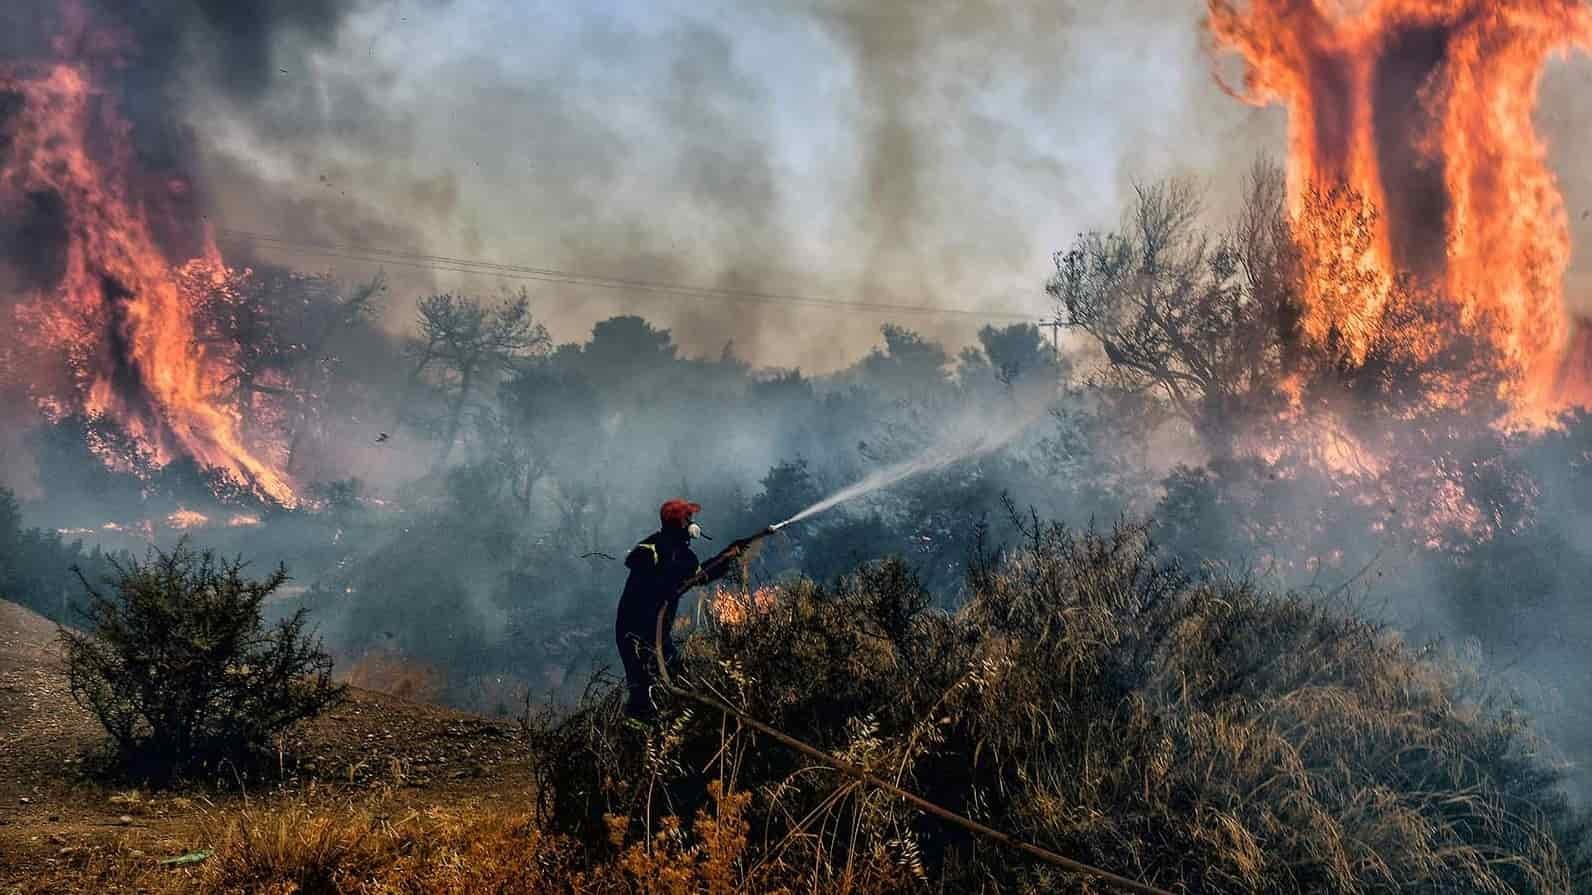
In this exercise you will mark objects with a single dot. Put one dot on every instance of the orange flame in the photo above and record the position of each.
(118, 313)
(735, 608)
(184, 518)
(1424, 108)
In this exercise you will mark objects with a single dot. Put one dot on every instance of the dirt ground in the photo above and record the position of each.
(56, 814)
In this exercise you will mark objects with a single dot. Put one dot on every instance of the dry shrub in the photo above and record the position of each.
(297, 849)
(1087, 698)
(1215, 734)
(709, 861)
(1093, 700)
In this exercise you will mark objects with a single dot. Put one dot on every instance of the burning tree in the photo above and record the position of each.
(1424, 108)
(274, 332)
(1353, 350)
(1220, 324)
(1329, 439)
(99, 276)
(236, 319)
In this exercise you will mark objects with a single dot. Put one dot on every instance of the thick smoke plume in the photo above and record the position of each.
(157, 59)
(911, 153)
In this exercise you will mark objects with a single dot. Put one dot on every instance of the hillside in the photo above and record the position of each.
(62, 830)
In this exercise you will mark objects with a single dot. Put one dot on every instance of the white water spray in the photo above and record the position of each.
(973, 438)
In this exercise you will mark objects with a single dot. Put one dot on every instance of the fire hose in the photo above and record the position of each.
(860, 773)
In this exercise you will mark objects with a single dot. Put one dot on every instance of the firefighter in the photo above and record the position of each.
(662, 567)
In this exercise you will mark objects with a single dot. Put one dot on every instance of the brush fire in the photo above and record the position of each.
(1234, 545)
(737, 607)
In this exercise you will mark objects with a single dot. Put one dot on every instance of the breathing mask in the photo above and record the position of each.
(694, 531)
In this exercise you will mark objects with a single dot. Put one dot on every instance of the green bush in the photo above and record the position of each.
(179, 665)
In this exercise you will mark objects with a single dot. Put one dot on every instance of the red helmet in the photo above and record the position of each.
(677, 513)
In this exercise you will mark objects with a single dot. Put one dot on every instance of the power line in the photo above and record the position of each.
(449, 264)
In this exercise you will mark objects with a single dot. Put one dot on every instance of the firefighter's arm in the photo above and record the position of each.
(715, 568)
(711, 571)
(720, 565)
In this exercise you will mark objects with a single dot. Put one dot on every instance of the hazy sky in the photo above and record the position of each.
(903, 151)
(928, 152)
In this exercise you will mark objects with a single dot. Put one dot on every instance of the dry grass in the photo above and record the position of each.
(301, 847)
(385, 671)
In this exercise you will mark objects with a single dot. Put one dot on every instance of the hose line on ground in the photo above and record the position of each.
(917, 801)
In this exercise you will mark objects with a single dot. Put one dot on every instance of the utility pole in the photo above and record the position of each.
(1054, 325)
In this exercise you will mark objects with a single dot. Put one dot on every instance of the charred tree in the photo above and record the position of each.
(465, 345)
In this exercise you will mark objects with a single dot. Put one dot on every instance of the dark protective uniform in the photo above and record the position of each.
(659, 566)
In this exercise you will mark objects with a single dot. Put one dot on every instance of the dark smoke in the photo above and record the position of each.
(1415, 194)
(161, 47)
(911, 153)
(155, 55)
(32, 240)
(162, 62)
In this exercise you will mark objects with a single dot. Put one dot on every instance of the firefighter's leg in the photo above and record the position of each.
(671, 653)
(638, 676)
